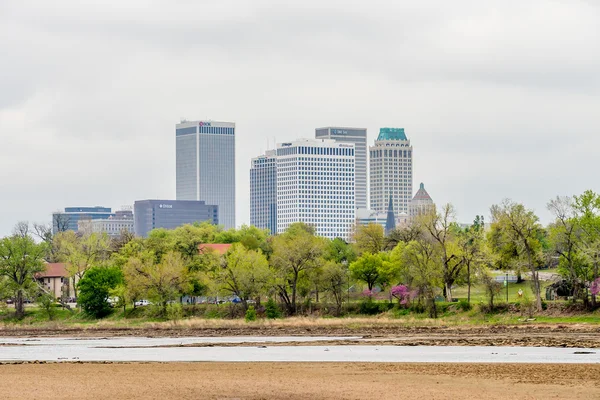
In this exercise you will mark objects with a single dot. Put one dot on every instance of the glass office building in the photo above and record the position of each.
(205, 165)
(357, 136)
(69, 219)
(169, 214)
(263, 191)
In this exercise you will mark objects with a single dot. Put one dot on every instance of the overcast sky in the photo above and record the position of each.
(499, 98)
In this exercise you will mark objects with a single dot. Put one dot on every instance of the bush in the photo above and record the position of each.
(95, 287)
(250, 314)
(464, 305)
(272, 310)
(369, 307)
(47, 303)
(174, 311)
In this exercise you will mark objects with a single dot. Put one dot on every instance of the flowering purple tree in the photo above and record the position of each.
(595, 287)
(403, 294)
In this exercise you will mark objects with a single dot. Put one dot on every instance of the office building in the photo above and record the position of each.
(69, 219)
(391, 173)
(114, 226)
(315, 185)
(421, 203)
(169, 214)
(357, 136)
(263, 191)
(365, 217)
(205, 165)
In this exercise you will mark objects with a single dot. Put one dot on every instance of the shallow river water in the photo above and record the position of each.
(142, 349)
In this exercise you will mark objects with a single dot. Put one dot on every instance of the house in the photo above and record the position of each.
(55, 280)
(219, 248)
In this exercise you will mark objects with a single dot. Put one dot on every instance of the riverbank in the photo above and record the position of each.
(405, 332)
(299, 381)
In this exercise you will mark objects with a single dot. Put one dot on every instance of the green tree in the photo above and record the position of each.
(295, 252)
(368, 238)
(21, 258)
(95, 288)
(374, 269)
(587, 207)
(334, 279)
(516, 230)
(244, 273)
(443, 229)
(471, 242)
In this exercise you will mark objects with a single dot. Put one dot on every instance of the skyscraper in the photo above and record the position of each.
(358, 136)
(205, 163)
(315, 185)
(263, 191)
(421, 204)
(391, 171)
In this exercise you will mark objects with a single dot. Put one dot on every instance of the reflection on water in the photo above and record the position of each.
(119, 349)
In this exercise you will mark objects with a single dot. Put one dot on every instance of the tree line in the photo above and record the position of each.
(416, 262)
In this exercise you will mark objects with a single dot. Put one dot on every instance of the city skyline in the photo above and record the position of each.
(87, 113)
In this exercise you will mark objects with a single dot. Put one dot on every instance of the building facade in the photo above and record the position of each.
(69, 219)
(169, 214)
(391, 172)
(357, 136)
(113, 226)
(421, 204)
(205, 165)
(315, 185)
(263, 191)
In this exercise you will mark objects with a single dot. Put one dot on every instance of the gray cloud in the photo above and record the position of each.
(499, 98)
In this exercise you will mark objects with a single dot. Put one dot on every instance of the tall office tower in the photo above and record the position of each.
(263, 191)
(391, 171)
(358, 136)
(206, 165)
(315, 185)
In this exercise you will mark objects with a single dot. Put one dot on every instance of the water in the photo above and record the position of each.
(118, 349)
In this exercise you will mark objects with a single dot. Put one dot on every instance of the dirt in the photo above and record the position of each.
(294, 381)
(542, 335)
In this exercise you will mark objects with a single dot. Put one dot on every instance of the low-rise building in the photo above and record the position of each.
(56, 281)
(170, 214)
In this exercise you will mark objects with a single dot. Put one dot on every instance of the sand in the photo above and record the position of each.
(292, 381)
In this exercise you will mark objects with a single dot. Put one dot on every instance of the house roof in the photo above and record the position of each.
(220, 248)
(54, 270)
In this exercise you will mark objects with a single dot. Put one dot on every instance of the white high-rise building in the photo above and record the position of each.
(263, 191)
(358, 136)
(206, 165)
(391, 172)
(315, 185)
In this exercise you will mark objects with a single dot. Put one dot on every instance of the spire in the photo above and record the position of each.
(390, 222)
(422, 194)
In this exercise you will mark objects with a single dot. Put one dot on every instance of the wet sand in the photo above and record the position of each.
(298, 381)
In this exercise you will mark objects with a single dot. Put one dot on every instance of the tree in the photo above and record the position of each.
(368, 238)
(21, 258)
(587, 207)
(374, 269)
(339, 252)
(443, 229)
(335, 278)
(519, 230)
(160, 282)
(295, 252)
(95, 288)
(472, 250)
(244, 273)
(402, 234)
(492, 288)
(565, 236)
(82, 252)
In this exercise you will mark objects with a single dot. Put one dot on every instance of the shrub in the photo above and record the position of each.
(368, 307)
(250, 314)
(174, 311)
(272, 310)
(464, 305)
(47, 303)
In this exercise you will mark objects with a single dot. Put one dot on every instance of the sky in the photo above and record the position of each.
(500, 98)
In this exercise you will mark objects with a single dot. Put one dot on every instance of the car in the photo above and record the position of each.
(141, 303)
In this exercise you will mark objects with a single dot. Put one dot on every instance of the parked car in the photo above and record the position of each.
(141, 303)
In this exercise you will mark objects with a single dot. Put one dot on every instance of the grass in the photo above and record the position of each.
(478, 292)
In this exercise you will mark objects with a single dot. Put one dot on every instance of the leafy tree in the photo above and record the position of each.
(95, 289)
(244, 273)
(587, 207)
(82, 252)
(402, 234)
(160, 282)
(21, 258)
(368, 238)
(443, 230)
(335, 278)
(516, 230)
(471, 242)
(339, 252)
(295, 252)
(374, 269)
(46, 302)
